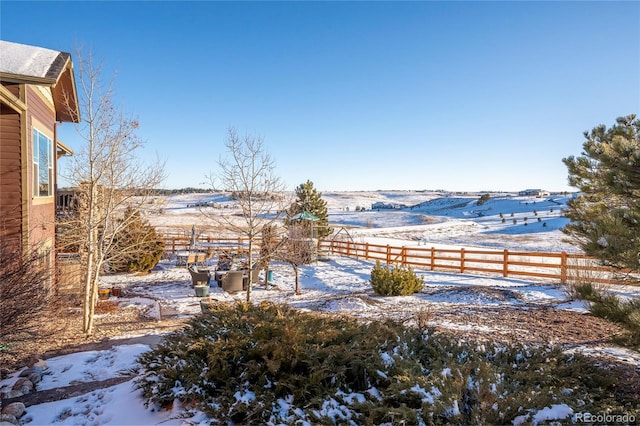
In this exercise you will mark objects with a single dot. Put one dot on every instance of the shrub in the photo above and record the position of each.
(272, 364)
(483, 199)
(29, 308)
(607, 305)
(137, 245)
(397, 281)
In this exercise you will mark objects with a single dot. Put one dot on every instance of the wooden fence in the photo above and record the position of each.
(560, 266)
(564, 267)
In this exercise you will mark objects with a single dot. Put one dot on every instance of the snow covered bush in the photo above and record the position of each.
(272, 364)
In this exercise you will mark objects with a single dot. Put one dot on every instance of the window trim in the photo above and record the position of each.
(37, 135)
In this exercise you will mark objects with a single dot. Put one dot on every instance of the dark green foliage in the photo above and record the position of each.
(609, 306)
(137, 245)
(605, 217)
(302, 368)
(483, 199)
(309, 200)
(398, 281)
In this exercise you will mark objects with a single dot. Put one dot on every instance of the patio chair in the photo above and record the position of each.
(190, 260)
(199, 277)
(232, 281)
(255, 275)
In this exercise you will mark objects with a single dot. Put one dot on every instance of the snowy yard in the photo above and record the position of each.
(471, 306)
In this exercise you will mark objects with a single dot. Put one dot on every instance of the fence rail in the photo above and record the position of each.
(559, 266)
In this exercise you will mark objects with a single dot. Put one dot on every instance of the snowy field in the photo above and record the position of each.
(505, 221)
(337, 285)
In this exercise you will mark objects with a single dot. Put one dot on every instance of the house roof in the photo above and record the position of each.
(24, 64)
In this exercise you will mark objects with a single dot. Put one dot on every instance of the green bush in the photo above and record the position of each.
(483, 199)
(273, 364)
(398, 281)
(137, 246)
(609, 306)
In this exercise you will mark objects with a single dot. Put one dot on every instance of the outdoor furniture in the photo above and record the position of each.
(255, 275)
(191, 259)
(199, 277)
(181, 258)
(224, 263)
(232, 282)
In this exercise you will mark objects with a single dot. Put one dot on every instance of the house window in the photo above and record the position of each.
(42, 165)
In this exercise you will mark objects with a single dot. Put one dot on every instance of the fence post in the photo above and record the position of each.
(505, 264)
(462, 260)
(388, 254)
(173, 245)
(433, 258)
(366, 251)
(404, 256)
(563, 267)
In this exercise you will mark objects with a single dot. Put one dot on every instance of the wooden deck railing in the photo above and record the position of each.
(561, 266)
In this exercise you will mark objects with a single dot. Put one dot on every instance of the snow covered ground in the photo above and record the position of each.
(339, 284)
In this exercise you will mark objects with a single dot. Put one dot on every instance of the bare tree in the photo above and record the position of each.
(108, 177)
(249, 174)
(298, 249)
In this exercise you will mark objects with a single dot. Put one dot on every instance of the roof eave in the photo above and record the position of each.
(65, 96)
(26, 79)
(63, 149)
(63, 90)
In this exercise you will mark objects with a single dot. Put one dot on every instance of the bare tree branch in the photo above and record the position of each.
(248, 173)
(108, 178)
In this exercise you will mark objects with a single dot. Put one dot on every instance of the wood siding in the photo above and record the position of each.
(10, 176)
(41, 210)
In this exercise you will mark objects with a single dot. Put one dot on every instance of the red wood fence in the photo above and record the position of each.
(564, 267)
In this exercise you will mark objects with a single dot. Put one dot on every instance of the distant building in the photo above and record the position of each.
(534, 192)
(381, 205)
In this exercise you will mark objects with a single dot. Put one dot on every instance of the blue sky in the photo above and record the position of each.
(462, 96)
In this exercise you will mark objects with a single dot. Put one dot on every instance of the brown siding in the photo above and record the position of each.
(14, 89)
(41, 216)
(10, 175)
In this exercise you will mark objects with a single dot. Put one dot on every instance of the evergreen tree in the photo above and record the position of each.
(605, 216)
(310, 200)
(139, 246)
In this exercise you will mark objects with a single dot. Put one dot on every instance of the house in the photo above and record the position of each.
(37, 94)
(380, 205)
(534, 192)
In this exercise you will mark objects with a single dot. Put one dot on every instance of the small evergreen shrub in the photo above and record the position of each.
(483, 199)
(137, 246)
(272, 365)
(388, 281)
